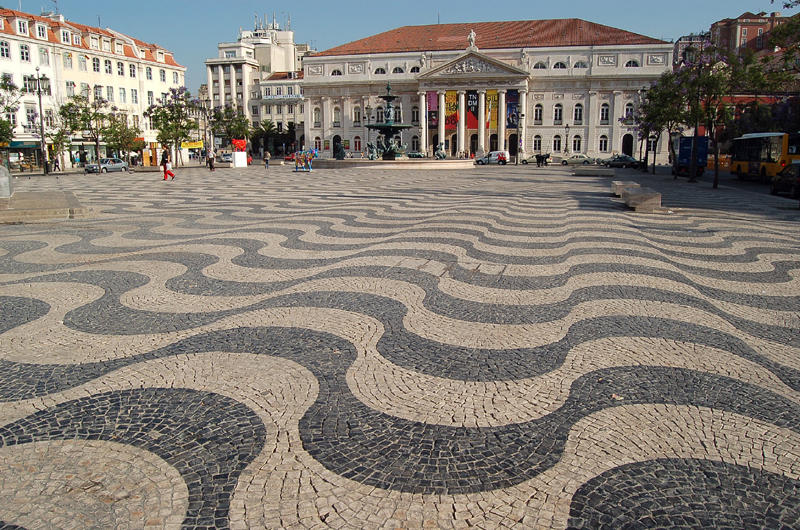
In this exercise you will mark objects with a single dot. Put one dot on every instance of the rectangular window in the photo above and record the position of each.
(132, 70)
(41, 31)
(49, 120)
(175, 78)
(134, 96)
(118, 48)
(94, 43)
(98, 92)
(278, 109)
(277, 91)
(135, 117)
(290, 90)
(65, 37)
(120, 68)
(106, 45)
(29, 84)
(24, 53)
(44, 57)
(290, 109)
(22, 27)
(85, 90)
(109, 69)
(268, 109)
(96, 65)
(67, 59)
(30, 115)
(76, 40)
(149, 73)
(122, 96)
(162, 75)
(70, 88)
(230, 54)
(82, 63)
(5, 49)
(255, 109)
(110, 93)
(12, 117)
(150, 99)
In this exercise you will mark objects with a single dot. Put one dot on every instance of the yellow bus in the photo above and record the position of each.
(763, 155)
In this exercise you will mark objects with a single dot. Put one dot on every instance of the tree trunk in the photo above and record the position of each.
(716, 160)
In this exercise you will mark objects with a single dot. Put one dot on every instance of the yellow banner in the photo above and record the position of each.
(491, 108)
(451, 105)
(192, 145)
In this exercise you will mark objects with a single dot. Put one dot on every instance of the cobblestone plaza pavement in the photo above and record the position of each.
(501, 347)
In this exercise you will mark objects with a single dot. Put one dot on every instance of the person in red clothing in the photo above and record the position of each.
(166, 165)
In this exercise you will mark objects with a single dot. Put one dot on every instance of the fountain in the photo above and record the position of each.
(387, 130)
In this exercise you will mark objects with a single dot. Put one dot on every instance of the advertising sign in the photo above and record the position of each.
(433, 109)
(451, 106)
(491, 108)
(512, 109)
(472, 109)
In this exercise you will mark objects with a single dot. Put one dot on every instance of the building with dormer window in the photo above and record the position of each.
(84, 60)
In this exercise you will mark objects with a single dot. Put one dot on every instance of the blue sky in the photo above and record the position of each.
(192, 29)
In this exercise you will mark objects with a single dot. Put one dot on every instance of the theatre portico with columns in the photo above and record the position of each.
(528, 87)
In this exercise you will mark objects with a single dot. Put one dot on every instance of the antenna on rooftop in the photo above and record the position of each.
(55, 3)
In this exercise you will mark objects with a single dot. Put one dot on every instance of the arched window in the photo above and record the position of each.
(398, 70)
(632, 64)
(559, 66)
(380, 71)
(356, 116)
(317, 117)
(414, 114)
(558, 114)
(629, 111)
(537, 143)
(162, 75)
(336, 72)
(317, 143)
(337, 117)
(415, 143)
(414, 69)
(604, 144)
(540, 66)
(557, 143)
(577, 113)
(538, 111)
(580, 64)
(604, 112)
(357, 143)
(379, 115)
(576, 144)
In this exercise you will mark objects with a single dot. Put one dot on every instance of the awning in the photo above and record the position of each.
(24, 145)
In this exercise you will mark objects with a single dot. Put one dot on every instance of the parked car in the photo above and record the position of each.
(105, 165)
(578, 159)
(289, 157)
(225, 157)
(494, 157)
(621, 161)
(787, 180)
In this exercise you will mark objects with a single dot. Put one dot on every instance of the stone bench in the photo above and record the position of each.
(643, 200)
(593, 171)
(618, 185)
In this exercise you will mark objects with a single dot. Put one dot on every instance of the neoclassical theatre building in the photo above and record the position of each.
(532, 86)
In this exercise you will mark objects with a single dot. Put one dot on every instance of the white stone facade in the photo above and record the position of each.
(79, 59)
(591, 85)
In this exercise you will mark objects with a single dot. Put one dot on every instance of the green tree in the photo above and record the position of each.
(264, 133)
(122, 137)
(59, 135)
(173, 118)
(9, 104)
(81, 114)
(662, 109)
(230, 124)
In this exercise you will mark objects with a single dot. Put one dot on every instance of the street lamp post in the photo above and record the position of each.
(368, 118)
(566, 140)
(43, 140)
(520, 147)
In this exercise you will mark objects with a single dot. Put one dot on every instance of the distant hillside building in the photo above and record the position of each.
(748, 30)
(542, 86)
(682, 48)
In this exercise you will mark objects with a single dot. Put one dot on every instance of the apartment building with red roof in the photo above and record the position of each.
(747, 31)
(534, 86)
(77, 59)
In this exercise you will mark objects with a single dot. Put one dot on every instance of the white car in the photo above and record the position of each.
(494, 157)
(577, 159)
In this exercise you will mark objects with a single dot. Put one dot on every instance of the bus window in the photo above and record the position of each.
(794, 145)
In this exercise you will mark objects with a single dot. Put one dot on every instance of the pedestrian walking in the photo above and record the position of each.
(56, 165)
(267, 156)
(210, 159)
(166, 165)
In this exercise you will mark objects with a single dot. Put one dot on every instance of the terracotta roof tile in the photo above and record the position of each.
(489, 35)
(277, 76)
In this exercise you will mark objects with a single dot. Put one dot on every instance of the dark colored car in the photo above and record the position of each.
(787, 181)
(106, 165)
(621, 161)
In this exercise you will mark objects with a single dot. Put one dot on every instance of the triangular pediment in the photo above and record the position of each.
(472, 65)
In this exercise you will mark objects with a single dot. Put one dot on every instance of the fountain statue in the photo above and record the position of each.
(388, 128)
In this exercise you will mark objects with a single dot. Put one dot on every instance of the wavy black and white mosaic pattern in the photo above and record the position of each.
(330, 350)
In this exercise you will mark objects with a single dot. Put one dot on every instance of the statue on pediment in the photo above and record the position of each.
(471, 38)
